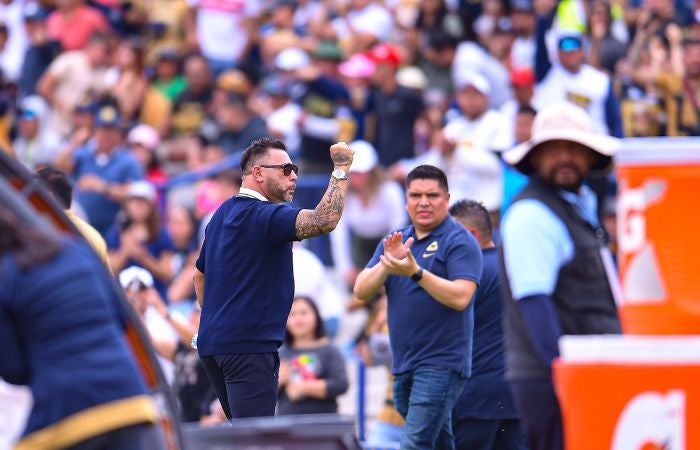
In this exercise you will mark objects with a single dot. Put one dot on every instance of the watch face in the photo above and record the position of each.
(340, 174)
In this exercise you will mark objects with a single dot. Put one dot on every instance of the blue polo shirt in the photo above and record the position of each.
(486, 395)
(118, 168)
(424, 332)
(246, 259)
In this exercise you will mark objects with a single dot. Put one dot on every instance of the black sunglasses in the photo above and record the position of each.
(287, 168)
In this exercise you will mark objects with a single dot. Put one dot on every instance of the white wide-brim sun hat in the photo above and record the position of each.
(567, 122)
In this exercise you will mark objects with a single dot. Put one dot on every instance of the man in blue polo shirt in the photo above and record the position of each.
(430, 278)
(102, 169)
(484, 417)
(244, 279)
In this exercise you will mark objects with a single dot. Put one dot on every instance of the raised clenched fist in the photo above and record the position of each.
(341, 154)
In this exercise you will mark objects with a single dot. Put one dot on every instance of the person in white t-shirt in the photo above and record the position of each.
(466, 147)
(221, 29)
(365, 24)
(138, 287)
(312, 280)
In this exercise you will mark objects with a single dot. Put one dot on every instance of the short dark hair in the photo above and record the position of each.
(319, 329)
(257, 149)
(426, 172)
(476, 214)
(58, 184)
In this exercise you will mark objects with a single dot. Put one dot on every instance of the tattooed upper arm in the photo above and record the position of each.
(308, 224)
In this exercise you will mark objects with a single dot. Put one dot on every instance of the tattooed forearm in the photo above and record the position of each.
(325, 217)
(341, 159)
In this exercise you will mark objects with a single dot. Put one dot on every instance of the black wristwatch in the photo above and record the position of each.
(418, 275)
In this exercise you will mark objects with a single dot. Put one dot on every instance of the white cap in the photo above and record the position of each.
(142, 189)
(292, 59)
(144, 135)
(135, 275)
(365, 158)
(474, 79)
(412, 77)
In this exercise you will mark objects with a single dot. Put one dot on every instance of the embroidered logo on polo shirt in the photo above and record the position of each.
(430, 250)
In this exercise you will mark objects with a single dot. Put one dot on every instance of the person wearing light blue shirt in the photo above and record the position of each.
(557, 268)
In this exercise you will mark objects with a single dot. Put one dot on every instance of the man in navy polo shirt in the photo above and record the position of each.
(244, 279)
(430, 278)
(484, 417)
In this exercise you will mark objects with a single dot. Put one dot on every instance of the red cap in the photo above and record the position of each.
(385, 54)
(523, 76)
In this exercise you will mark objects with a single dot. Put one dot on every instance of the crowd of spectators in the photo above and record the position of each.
(125, 95)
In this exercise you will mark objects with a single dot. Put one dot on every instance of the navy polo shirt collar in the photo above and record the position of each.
(438, 231)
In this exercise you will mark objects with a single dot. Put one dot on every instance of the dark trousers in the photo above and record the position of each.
(246, 383)
(135, 437)
(498, 434)
(539, 413)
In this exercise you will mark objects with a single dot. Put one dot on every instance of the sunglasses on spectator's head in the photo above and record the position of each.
(287, 168)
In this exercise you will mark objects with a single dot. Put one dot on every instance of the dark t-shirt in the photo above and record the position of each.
(191, 383)
(321, 363)
(486, 394)
(396, 115)
(246, 259)
(423, 331)
(322, 98)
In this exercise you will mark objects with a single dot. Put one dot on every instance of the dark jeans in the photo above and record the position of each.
(246, 383)
(425, 397)
(136, 437)
(499, 434)
(539, 413)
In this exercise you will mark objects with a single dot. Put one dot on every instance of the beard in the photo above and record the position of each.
(565, 176)
(280, 193)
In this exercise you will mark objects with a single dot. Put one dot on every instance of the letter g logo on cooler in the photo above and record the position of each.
(642, 281)
(652, 421)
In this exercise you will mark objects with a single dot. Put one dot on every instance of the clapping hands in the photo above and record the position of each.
(397, 257)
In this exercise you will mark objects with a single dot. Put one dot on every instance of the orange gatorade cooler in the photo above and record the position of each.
(658, 214)
(629, 392)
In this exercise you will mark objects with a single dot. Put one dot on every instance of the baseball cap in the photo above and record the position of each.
(144, 135)
(358, 66)
(412, 77)
(291, 59)
(234, 80)
(108, 116)
(570, 43)
(135, 278)
(522, 76)
(475, 80)
(142, 189)
(34, 12)
(365, 158)
(330, 51)
(385, 54)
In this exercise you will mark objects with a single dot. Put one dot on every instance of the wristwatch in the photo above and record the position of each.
(418, 275)
(339, 174)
